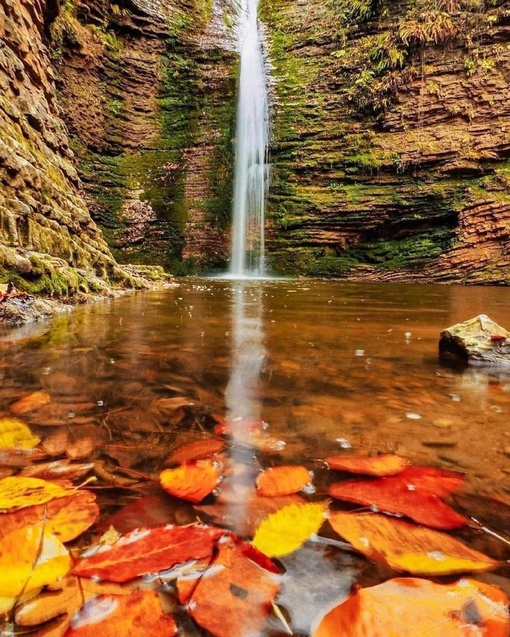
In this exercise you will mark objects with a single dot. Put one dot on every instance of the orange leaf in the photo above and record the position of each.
(407, 547)
(394, 496)
(411, 607)
(233, 596)
(30, 402)
(149, 551)
(123, 616)
(285, 480)
(383, 465)
(196, 450)
(191, 481)
(438, 482)
(66, 517)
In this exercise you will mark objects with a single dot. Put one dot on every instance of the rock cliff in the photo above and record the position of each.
(47, 239)
(391, 139)
(148, 93)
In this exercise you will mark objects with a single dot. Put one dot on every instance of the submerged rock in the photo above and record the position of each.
(478, 341)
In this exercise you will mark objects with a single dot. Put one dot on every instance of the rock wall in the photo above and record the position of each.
(148, 93)
(48, 241)
(391, 139)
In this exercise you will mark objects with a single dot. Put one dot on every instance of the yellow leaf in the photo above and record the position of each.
(286, 530)
(17, 492)
(15, 434)
(407, 547)
(30, 558)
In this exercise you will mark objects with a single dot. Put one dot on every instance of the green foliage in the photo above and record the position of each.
(332, 266)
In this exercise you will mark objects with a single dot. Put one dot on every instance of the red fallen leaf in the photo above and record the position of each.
(191, 481)
(412, 607)
(148, 512)
(233, 596)
(384, 465)
(283, 480)
(498, 337)
(440, 482)
(196, 450)
(123, 616)
(393, 496)
(149, 551)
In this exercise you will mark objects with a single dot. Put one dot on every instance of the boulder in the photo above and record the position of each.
(478, 341)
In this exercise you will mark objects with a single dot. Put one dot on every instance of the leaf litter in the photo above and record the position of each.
(162, 569)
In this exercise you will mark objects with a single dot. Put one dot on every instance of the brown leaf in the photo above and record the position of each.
(58, 469)
(196, 450)
(81, 448)
(383, 465)
(30, 402)
(56, 444)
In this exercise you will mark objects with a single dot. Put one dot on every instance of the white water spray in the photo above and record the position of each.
(250, 178)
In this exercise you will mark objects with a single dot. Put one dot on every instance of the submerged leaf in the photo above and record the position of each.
(191, 481)
(407, 547)
(233, 596)
(139, 613)
(30, 402)
(15, 434)
(149, 551)
(286, 530)
(411, 607)
(394, 496)
(284, 480)
(383, 465)
(196, 450)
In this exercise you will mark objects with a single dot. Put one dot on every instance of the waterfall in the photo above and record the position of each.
(250, 176)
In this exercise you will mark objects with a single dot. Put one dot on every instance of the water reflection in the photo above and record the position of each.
(243, 392)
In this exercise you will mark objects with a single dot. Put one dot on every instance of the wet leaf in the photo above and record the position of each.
(440, 482)
(149, 551)
(17, 492)
(15, 434)
(30, 402)
(63, 597)
(411, 607)
(20, 457)
(407, 547)
(66, 517)
(56, 444)
(191, 481)
(196, 450)
(139, 613)
(283, 480)
(81, 448)
(383, 465)
(233, 596)
(58, 470)
(29, 559)
(393, 496)
(286, 530)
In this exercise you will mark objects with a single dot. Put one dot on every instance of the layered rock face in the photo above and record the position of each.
(391, 139)
(47, 237)
(148, 90)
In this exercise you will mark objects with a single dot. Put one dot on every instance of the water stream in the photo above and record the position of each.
(250, 177)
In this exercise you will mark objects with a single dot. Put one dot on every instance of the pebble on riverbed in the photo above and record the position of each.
(478, 341)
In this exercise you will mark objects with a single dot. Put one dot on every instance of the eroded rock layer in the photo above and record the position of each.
(148, 93)
(391, 139)
(48, 240)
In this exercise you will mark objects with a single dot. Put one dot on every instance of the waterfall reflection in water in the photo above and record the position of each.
(243, 392)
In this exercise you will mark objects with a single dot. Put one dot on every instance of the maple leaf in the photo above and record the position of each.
(407, 547)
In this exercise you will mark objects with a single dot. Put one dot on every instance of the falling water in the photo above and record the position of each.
(250, 178)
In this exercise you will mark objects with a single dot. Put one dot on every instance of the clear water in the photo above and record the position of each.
(331, 367)
(250, 175)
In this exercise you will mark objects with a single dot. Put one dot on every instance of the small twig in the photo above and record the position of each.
(489, 532)
(279, 614)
